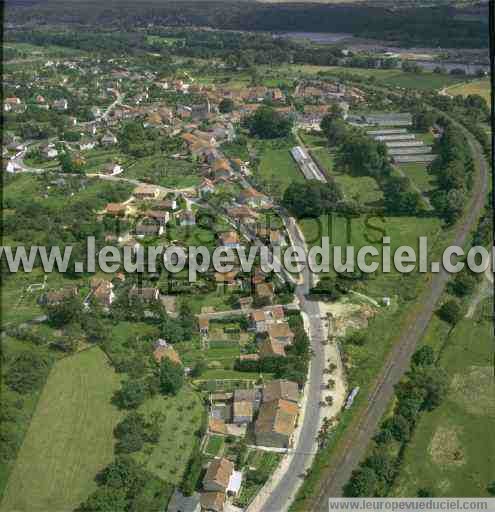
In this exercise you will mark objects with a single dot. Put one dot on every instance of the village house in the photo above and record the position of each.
(160, 216)
(108, 139)
(111, 169)
(13, 104)
(116, 209)
(281, 333)
(242, 215)
(166, 114)
(10, 166)
(217, 426)
(61, 104)
(102, 290)
(265, 290)
(256, 93)
(258, 321)
(162, 349)
(271, 348)
(276, 238)
(221, 169)
(229, 239)
(90, 129)
(154, 119)
(281, 390)
(206, 188)
(186, 218)
(201, 111)
(211, 155)
(244, 405)
(228, 279)
(48, 151)
(120, 236)
(218, 475)
(224, 133)
(240, 166)
(146, 192)
(199, 150)
(96, 112)
(181, 503)
(276, 423)
(184, 112)
(145, 294)
(251, 197)
(85, 144)
(261, 319)
(274, 314)
(189, 139)
(275, 95)
(212, 501)
(165, 204)
(148, 228)
(55, 297)
(206, 137)
(249, 357)
(203, 324)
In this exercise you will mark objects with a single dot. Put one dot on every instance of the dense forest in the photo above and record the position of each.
(443, 26)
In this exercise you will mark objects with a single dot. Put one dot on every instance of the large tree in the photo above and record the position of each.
(267, 123)
(359, 155)
(171, 376)
(311, 199)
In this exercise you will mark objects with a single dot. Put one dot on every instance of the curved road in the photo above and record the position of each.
(356, 441)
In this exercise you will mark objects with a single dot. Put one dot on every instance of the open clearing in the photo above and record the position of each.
(180, 418)
(453, 448)
(481, 87)
(278, 170)
(70, 437)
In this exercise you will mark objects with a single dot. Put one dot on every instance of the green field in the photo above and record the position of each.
(362, 189)
(180, 418)
(452, 452)
(70, 437)
(277, 170)
(369, 230)
(389, 77)
(163, 171)
(419, 175)
(214, 445)
(481, 87)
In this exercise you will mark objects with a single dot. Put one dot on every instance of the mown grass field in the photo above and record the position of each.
(70, 437)
(362, 189)
(369, 230)
(452, 452)
(163, 171)
(481, 87)
(390, 77)
(180, 417)
(277, 169)
(418, 174)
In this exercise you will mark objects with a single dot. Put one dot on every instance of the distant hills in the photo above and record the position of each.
(432, 23)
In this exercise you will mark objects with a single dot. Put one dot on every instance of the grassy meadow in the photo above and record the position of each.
(452, 452)
(70, 437)
(180, 418)
(481, 87)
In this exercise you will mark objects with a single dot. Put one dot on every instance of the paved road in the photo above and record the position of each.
(284, 492)
(356, 440)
